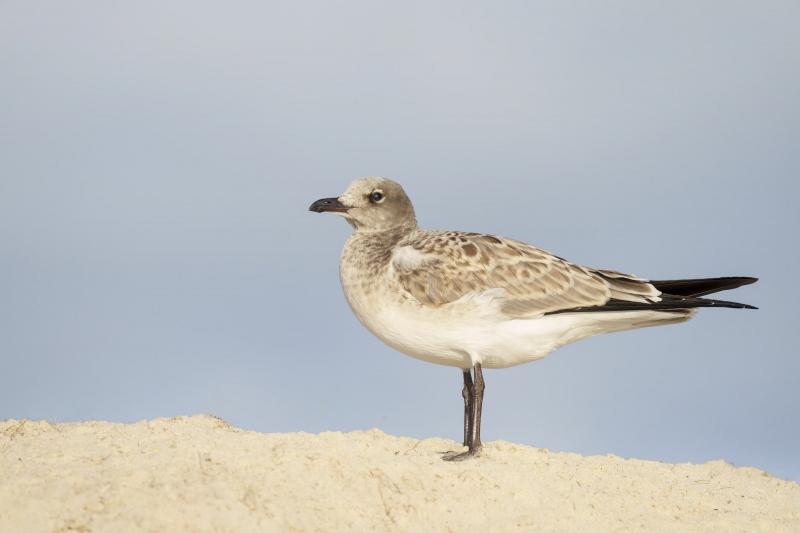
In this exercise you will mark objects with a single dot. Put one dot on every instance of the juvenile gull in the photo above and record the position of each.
(476, 301)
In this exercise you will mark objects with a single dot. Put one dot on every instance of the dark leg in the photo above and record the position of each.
(468, 396)
(475, 396)
(477, 407)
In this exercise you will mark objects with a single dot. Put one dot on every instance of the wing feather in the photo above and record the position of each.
(438, 267)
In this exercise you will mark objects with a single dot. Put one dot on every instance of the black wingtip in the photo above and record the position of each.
(701, 286)
(669, 302)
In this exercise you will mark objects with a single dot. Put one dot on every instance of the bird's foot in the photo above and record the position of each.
(455, 456)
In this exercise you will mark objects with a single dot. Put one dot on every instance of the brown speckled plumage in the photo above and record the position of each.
(536, 281)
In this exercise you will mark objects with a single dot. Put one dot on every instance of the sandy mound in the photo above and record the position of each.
(201, 474)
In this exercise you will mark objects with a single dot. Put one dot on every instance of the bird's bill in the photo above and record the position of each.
(331, 205)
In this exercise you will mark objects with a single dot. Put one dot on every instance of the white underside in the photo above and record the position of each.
(473, 330)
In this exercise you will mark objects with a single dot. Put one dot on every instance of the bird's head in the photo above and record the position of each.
(371, 204)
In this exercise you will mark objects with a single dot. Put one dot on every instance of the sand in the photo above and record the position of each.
(200, 474)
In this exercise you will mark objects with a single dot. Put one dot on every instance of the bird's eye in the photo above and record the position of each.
(376, 196)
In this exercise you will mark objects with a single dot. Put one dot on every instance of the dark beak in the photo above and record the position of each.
(328, 204)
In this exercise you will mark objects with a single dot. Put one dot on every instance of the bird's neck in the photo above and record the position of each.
(376, 245)
(385, 237)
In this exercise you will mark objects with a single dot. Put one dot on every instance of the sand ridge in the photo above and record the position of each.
(200, 474)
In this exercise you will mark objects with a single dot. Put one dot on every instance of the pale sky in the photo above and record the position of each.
(157, 162)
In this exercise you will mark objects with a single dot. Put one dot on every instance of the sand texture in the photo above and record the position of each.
(200, 474)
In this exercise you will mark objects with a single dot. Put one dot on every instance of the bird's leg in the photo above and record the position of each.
(477, 406)
(474, 426)
(468, 397)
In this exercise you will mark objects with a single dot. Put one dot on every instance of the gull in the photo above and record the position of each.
(474, 301)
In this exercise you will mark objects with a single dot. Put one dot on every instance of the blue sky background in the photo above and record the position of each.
(157, 161)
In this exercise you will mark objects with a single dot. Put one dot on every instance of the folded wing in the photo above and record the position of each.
(438, 268)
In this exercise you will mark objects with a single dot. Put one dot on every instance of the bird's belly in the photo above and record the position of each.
(415, 331)
(450, 336)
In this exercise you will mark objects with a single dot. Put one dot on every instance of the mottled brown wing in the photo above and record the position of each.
(440, 267)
